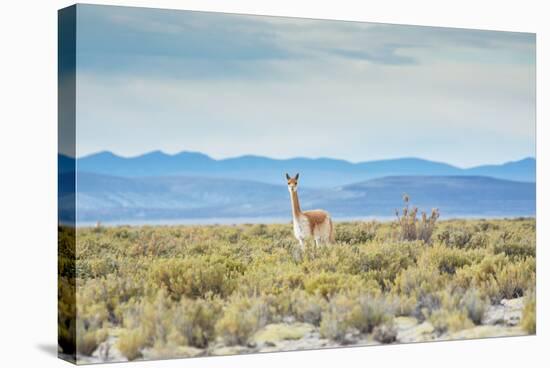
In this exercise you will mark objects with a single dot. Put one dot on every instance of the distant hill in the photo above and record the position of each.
(453, 195)
(110, 198)
(320, 173)
(523, 170)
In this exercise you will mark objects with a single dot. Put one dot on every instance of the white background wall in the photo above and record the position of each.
(28, 144)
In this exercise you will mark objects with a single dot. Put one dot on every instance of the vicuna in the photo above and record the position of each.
(316, 223)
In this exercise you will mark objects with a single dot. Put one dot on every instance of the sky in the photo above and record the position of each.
(229, 85)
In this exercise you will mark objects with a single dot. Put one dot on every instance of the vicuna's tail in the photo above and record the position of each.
(331, 235)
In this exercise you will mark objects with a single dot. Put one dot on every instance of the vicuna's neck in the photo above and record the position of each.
(295, 204)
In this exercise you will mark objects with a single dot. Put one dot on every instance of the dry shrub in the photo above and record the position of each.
(88, 337)
(131, 342)
(371, 311)
(385, 333)
(445, 320)
(162, 322)
(515, 279)
(91, 320)
(195, 320)
(349, 313)
(308, 308)
(166, 288)
(335, 323)
(410, 227)
(529, 315)
(474, 304)
(241, 318)
(496, 277)
(419, 281)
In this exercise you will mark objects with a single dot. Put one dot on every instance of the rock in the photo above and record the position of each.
(417, 333)
(106, 352)
(404, 323)
(172, 352)
(289, 319)
(230, 350)
(508, 312)
(275, 333)
(351, 338)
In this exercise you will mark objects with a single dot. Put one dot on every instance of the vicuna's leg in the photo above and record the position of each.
(301, 241)
(317, 242)
(331, 237)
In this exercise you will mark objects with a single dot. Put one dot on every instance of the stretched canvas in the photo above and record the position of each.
(234, 184)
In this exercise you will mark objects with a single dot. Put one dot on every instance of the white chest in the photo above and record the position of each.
(301, 227)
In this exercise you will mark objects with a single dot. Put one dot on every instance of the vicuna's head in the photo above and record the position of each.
(292, 182)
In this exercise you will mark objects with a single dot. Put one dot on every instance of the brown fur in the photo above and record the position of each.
(315, 218)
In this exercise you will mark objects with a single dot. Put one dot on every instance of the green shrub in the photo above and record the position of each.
(446, 260)
(328, 284)
(270, 277)
(517, 250)
(197, 276)
(356, 233)
(457, 238)
(382, 262)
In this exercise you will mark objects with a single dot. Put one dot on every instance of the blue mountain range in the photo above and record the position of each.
(320, 173)
(157, 186)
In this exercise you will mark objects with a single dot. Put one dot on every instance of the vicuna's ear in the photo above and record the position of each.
(287, 176)
(297, 175)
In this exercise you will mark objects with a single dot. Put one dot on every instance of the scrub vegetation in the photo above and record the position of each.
(165, 288)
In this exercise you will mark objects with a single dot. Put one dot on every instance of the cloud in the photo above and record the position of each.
(178, 43)
(229, 85)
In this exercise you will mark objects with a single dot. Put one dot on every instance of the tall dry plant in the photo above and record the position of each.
(412, 228)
